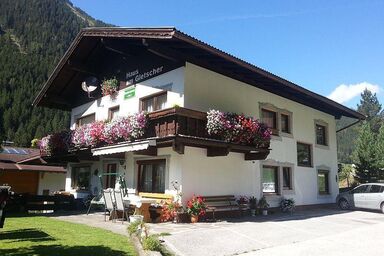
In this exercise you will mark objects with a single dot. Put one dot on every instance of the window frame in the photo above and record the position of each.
(277, 182)
(275, 130)
(310, 165)
(140, 163)
(154, 97)
(83, 117)
(288, 131)
(324, 124)
(112, 110)
(327, 182)
(73, 178)
(290, 187)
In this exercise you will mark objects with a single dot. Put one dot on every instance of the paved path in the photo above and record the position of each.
(315, 232)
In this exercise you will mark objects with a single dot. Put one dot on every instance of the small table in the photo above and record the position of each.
(143, 201)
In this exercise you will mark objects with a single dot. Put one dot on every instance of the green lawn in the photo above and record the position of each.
(43, 236)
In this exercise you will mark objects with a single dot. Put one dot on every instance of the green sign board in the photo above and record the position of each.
(129, 92)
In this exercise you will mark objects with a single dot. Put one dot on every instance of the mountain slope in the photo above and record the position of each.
(34, 34)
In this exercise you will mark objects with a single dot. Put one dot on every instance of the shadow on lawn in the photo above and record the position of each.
(28, 234)
(49, 250)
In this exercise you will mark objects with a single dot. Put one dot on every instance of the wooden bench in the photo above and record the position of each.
(221, 203)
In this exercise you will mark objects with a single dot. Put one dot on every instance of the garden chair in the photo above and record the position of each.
(97, 200)
(109, 204)
(120, 206)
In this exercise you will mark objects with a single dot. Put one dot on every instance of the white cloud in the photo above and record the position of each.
(344, 93)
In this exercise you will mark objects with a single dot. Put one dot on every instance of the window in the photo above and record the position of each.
(151, 176)
(81, 177)
(360, 189)
(321, 135)
(376, 189)
(154, 102)
(270, 119)
(323, 182)
(113, 112)
(285, 123)
(287, 178)
(109, 180)
(270, 179)
(85, 120)
(304, 155)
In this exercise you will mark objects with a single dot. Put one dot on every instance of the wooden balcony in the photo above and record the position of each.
(179, 127)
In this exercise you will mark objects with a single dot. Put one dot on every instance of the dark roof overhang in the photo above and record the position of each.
(173, 45)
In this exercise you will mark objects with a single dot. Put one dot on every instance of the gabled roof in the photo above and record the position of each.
(62, 88)
(17, 154)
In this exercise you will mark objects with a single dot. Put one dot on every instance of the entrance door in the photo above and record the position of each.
(110, 180)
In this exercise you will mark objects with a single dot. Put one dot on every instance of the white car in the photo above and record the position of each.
(368, 196)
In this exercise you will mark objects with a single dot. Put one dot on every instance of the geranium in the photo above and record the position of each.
(242, 200)
(170, 210)
(89, 135)
(238, 129)
(196, 206)
(55, 143)
(109, 86)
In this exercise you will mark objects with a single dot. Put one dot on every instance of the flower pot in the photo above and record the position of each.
(134, 218)
(194, 218)
(253, 212)
(265, 212)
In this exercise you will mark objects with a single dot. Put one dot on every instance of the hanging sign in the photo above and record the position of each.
(129, 92)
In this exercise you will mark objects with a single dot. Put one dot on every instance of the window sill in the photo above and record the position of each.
(288, 192)
(322, 146)
(308, 166)
(276, 137)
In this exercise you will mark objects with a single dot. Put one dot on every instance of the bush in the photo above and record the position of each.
(152, 243)
(132, 228)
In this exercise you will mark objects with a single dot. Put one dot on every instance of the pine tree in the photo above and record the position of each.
(365, 155)
(371, 108)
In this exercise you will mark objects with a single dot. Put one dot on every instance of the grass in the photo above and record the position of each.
(43, 236)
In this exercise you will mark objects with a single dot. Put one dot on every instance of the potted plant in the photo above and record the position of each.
(252, 205)
(109, 86)
(263, 205)
(195, 208)
(170, 211)
(287, 205)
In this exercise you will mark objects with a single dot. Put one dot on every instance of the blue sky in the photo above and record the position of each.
(320, 45)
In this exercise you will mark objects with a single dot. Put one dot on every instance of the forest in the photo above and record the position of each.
(34, 34)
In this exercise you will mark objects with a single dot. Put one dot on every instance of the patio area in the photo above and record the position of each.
(310, 231)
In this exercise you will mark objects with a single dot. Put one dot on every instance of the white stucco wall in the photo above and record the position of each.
(206, 90)
(51, 181)
(175, 96)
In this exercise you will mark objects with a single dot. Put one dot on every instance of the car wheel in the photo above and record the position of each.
(344, 205)
(382, 207)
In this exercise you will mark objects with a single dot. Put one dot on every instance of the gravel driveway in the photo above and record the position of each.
(306, 232)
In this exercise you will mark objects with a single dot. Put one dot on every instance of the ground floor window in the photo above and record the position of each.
(109, 178)
(270, 179)
(151, 176)
(287, 178)
(81, 176)
(323, 181)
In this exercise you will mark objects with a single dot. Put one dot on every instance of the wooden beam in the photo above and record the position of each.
(217, 151)
(150, 151)
(256, 156)
(178, 147)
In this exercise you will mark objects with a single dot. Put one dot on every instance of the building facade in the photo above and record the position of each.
(162, 71)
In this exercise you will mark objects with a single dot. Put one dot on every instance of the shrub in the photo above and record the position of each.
(152, 243)
(133, 227)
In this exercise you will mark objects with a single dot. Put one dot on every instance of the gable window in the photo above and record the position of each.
(270, 119)
(85, 120)
(270, 179)
(153, 102)
(287, 178)
(321, 134)
(113, 112)
(151, 176)
(81, 176)
(323, 182)
(285, 123)
(304, 155)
